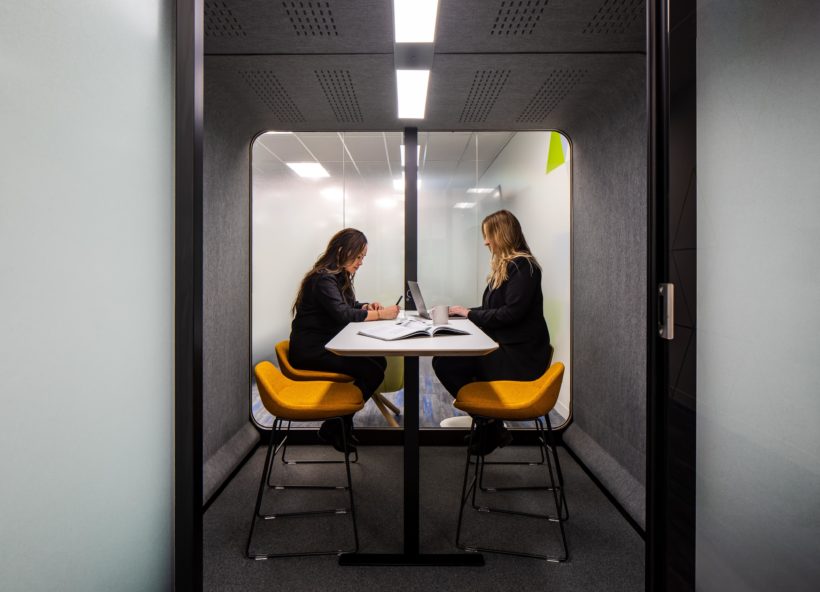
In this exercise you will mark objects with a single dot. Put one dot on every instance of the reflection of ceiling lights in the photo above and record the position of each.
(411, 88)
(308, 170)
(464, 205)
(418, 154)
(278, 133)
(332, 193)
(481, 190)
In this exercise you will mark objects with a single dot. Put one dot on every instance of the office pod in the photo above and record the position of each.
(302, 138)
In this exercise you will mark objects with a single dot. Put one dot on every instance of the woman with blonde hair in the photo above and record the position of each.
(512, 314)
(326, 303)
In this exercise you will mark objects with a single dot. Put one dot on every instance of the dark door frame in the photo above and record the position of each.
(188, 258)
(188, 249)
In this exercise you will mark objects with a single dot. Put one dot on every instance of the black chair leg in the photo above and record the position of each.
(465, 492)
(559, 500)
(285, 461)
(270, 458)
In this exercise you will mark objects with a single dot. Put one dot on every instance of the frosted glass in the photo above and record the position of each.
(463, 169)
(86, 260)
(758, 217)
(294, 217)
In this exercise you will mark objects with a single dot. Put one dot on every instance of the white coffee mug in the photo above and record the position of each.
(440, 314)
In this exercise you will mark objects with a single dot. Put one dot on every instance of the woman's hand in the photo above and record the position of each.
(383, 313)
(374, 306)
(388, 312)
(460, 311)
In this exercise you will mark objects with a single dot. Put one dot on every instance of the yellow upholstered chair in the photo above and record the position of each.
(289, 400)
(513, 400)
(393, 379)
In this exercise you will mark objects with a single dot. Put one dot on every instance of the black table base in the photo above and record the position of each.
(435, 560)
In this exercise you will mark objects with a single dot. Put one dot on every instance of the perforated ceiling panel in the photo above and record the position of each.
(340, 94)
(487, 86)
(498, 64)
(220, 21)
(311, 18)
(615, 17)
(269, 90)
(559, 84)
(518, 17)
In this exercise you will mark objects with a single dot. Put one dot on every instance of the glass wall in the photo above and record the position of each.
(306, 186)
(465, 176)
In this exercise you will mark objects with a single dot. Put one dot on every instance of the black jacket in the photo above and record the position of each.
(513, 315)
(322, 313)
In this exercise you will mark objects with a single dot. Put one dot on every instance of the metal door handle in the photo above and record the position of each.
(666, 311)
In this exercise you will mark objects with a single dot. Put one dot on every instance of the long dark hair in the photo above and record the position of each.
(343, 248)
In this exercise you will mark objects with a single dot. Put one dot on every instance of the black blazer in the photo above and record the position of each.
(322, 313)
(513, 315)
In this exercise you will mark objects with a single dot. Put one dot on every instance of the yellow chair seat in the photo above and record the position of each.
(306, 401)
(512, 400)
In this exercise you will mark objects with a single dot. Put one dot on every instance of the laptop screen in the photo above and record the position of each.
(415, 292)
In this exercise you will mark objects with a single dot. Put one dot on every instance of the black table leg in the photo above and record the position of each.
(411, 555)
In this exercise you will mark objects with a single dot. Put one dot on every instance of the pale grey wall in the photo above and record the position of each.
(86, 286)
(609, 285)
(758, 384)
(226, 324)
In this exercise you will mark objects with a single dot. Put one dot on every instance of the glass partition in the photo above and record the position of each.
(307, 186)
(304, 188)
(465, 176)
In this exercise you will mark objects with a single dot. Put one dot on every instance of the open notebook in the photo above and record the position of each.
(410, 328)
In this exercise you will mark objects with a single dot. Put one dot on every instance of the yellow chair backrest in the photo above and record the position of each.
(270, 382)
(282, 352)
(393, 376)
(549, 386)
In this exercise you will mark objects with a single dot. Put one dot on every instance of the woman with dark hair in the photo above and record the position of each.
(512, 314)
(326, 303)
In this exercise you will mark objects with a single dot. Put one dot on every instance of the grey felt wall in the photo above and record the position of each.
(228, 436)
(608, 131)
(609, 286)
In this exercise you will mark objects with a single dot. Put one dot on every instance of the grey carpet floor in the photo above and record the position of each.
(605, 552)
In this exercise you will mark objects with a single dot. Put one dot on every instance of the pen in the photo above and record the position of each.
(399, 300)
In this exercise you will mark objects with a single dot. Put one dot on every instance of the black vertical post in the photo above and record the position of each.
(188, 297)
(657, 271)
(411, 364)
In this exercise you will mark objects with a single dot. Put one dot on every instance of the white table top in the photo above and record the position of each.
(349, 343)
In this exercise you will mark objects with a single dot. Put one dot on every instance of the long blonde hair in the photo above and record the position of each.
(504, 233)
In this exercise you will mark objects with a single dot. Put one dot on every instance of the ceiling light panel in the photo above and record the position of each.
(415, 20)
(411, 88)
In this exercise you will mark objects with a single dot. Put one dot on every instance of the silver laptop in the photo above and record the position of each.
(421, 307)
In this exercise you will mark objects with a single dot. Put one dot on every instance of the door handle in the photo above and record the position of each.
(666, 311)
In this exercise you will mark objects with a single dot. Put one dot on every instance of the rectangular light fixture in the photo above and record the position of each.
(414, 21)
(464, 205)
(418, 153)
(481, 190)
(411, 88)
(309, 170)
